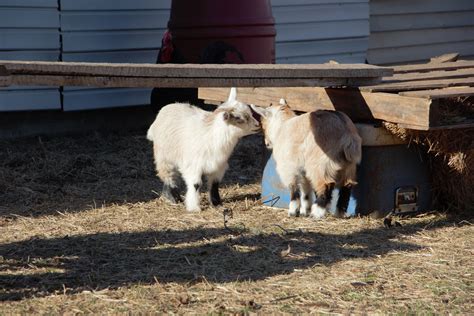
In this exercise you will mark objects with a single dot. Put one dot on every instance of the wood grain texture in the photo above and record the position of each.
(419, 85)
(358, 105)
(5, 79)
(445, 58)
(430, 67)
(167, 82)
(443, 74)
(201, 71)
(440, 93)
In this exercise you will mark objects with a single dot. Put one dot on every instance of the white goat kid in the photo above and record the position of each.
(314, 151)
(195, 143)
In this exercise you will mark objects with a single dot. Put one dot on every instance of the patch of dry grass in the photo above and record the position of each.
(82, 231)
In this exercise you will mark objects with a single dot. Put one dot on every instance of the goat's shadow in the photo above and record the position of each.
(112, 260)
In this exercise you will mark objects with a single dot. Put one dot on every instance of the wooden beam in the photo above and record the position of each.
(358, 105)
(435, 66)
(445, 58)
(377, 136)
(440, 93)
(5, 79)
(312, 71)
(168, 82)
(419, 85)
(418, 76)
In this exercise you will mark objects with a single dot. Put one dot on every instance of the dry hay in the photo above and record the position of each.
(83, 232)
(451, 153)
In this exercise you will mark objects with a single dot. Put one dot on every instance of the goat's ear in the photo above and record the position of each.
(259, 110)
(283, 104)
(232, 97)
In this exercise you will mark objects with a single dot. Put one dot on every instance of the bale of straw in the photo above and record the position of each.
(451, 154)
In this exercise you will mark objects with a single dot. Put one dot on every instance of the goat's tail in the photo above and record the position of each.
(351, 142)
(352, 148)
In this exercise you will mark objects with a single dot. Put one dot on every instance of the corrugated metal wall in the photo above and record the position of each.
(111, 31)
(29, 30)
(316, 31)
(415, 30)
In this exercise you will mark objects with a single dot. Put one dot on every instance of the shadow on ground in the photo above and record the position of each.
(111, 260)
(43, 176)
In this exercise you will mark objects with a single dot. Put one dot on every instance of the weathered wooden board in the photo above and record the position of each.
(5, 79)
(167, 82)
(443, 74)
(440, 93)
(313, 71)
(377, 136)
(430, 67)
(419, 85)
(358, 105)
(445, 58)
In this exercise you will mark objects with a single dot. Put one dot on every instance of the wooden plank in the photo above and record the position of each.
(443, 74)
(199, 71)
(5, 79)
(377, 136)
(167, 82)
(358, 105)
(430, 67)
(440, 93)
(452, 57)
(419, 85)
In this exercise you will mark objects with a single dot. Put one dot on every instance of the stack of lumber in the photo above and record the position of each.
(413, 97)
(190, 75)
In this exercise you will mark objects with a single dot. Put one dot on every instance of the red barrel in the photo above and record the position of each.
(217, 31)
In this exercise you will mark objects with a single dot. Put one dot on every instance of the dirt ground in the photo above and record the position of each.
(83, 230)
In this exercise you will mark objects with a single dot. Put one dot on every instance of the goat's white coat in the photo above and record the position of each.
(196, 143)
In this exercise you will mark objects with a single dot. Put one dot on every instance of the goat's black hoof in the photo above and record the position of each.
(171, 194)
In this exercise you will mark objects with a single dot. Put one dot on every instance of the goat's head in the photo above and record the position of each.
(271, 119)
(239, 115)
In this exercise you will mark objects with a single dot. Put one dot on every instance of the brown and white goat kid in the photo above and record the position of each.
(314, 151)
(195, 143)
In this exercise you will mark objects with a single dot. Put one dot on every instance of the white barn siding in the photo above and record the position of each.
(316, 31)
(29, 30)
(111, 31)
(415, 30)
